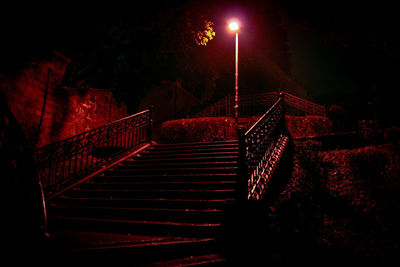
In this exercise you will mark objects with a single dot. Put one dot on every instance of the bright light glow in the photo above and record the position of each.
(234, 26)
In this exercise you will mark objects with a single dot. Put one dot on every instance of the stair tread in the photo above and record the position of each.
(164, 183)
(193, 150)
(183, 164)
(152, 243)
(188, 261)
(153, 190)
(81, 240)
(181, 169)
(206, 143)
(147, 199)
(108, 175)
(148, 222)
(136, 209)
(127, 184)
(198, 143)
(199, 154)
(144, 160)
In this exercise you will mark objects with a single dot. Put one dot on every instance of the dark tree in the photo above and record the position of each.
(132, 52)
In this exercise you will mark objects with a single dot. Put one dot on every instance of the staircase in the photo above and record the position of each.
(168, 205)
(162, 207)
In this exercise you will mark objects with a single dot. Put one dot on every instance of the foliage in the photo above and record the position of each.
(203, 129)
(308, 126)
(202, 37)
(347, 199)
(198, 130)
(136, 51)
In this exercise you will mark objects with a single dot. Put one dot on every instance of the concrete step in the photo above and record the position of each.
(206, 143)
(146, 160)
(179, 177)
(139, 214)
(173, 170)
(192, 151)
(172, 203)
(202, 260)
(178, 164)
(137, 250)
(185, 154)
(154, 193)
(186, 146)
(142, 227)
(179, 185)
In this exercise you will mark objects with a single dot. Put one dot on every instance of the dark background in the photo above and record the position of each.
(339, 52)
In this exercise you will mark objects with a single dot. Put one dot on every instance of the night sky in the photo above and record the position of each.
(338, 52)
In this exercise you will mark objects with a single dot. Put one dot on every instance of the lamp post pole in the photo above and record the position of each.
(237, 79)
(234, 27)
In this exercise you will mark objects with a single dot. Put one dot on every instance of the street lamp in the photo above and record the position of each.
(234, 27)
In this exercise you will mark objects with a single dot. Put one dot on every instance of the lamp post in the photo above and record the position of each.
(234, 27)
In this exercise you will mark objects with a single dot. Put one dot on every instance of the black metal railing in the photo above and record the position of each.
(249, 105)
(61, 163)
(254, 104)
(260, 148)
(298, 106)
(223, 107)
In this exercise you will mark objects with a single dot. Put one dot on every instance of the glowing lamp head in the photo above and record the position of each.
(234, 26)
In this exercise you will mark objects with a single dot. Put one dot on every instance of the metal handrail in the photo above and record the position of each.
(64, 162)
(295, 104)
(254, 104)
(249, 105)
(257, 149)
(263, 117)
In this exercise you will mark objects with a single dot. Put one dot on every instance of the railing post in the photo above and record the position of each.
(284, 107)
(282, 96)
(150, 125)
(242, 186)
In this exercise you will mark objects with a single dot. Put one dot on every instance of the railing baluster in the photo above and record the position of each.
(150, 124)
(120, 134)
(125, 136)
(75, 159)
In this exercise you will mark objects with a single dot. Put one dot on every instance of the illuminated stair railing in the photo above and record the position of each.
(260, 149)
(64, 162)
(298, 106)
(249, 105)
(254, 104)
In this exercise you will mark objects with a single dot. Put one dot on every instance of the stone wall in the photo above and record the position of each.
(67, 111)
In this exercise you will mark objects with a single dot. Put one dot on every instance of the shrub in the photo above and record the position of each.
(198, 130)
(308, 126)
(392, 134)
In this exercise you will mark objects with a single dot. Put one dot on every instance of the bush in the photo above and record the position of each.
(392, 134)
(308, 126)
(198, 130)
(348, 199)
